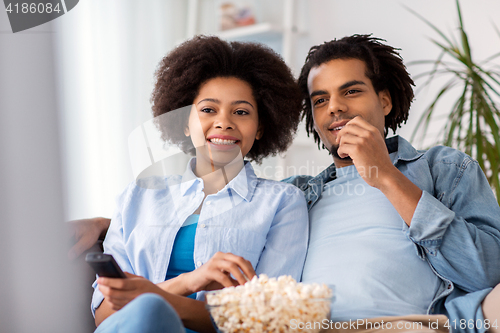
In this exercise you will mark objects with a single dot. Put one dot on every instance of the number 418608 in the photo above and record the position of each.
(32, 8)
(471, 324)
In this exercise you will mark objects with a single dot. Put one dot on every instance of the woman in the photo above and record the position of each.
(218, 217)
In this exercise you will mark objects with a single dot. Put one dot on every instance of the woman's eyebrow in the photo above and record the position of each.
(209, 100)
(242, 102)
(214, 100)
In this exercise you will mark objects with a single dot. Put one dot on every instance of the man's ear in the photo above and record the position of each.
(386, 101)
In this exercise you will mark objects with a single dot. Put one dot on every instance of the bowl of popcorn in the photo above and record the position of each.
(271, 305)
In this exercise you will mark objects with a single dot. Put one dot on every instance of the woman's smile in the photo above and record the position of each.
(223, 142)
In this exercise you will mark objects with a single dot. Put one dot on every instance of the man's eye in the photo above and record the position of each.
(319, 101)
(241, 112)
(352, 91)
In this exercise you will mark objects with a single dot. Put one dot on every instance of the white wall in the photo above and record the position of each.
(390, 20)
(40, 291)
(108, 53)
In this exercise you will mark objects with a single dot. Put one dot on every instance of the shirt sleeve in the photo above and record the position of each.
(459, 231)
(287, 239)
(114, 244)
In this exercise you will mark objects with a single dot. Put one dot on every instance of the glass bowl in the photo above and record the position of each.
(303, 315)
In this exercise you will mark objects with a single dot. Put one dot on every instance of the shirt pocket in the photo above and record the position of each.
(244, 243)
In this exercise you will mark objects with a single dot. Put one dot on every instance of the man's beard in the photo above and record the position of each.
(334, 151)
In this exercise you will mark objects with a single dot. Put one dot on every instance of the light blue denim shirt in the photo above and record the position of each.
(264, 221)
(455, 227)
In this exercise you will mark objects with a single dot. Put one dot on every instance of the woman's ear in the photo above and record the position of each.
(186, 131)
(260, 132)
(386, 101)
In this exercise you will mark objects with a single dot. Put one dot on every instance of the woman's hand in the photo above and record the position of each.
(216, 273)
(119, 292)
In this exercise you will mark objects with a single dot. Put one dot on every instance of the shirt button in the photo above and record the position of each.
(198, 263)
(203, 226)
(208, 203)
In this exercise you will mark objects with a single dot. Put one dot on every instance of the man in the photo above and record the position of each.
(418, 230)
(396, 230)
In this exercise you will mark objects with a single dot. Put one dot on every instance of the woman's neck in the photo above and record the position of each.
(216, 177)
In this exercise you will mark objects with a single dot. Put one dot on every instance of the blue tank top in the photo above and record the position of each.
(181, 259)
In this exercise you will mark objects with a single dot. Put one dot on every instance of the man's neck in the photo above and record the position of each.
(340, 162)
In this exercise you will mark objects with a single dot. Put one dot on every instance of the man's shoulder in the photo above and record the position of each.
(299, 181)
(277, 186)
(446, 155)
(436, 155)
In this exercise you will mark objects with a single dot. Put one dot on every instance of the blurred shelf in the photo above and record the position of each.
(251, 31)
(279, 37)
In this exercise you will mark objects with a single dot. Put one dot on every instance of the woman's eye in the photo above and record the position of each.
(207, 110)
(241, 112)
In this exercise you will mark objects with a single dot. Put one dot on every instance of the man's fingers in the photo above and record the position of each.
(359, 121)
(79, 248)
(348, 138)
(353, 129)
(345, 150)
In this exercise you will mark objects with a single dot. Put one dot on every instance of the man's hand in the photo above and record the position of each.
(86, 232)
(119, 292)
(365, 145)
(214, 274)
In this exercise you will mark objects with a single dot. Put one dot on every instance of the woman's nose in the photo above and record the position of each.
(224, 121)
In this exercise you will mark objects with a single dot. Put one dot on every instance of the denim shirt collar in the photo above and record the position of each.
(243, 184)
(405, 152)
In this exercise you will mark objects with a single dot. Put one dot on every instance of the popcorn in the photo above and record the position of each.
(269, 305)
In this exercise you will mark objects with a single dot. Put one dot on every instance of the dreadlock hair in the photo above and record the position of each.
(384, 67)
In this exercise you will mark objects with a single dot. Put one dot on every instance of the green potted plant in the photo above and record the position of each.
(474, 119)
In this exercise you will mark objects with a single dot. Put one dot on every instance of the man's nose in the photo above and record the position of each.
(224, 121)
(337, 105)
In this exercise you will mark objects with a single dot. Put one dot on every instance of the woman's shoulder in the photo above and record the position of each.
(277, 187)
(150, 186)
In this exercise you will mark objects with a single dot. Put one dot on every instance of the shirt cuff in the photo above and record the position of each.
(429, 223)
(97, 298)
